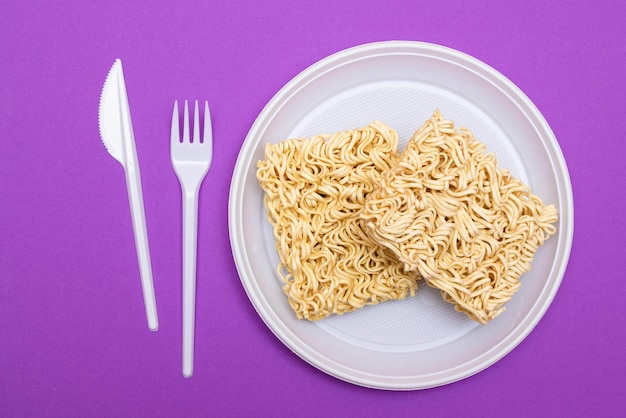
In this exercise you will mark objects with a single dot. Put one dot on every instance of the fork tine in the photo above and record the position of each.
(196, 125)
(175, 134)
(208, 134)
(186, 124)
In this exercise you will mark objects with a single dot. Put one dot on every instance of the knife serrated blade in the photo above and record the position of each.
(116, 131)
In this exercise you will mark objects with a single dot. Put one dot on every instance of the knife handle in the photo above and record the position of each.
(135, 198)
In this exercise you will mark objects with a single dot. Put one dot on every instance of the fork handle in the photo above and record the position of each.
(190, 235)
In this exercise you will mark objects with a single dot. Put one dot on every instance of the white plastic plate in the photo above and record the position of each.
(419, 342)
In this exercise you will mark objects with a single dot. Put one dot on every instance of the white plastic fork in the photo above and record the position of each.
(191, 161)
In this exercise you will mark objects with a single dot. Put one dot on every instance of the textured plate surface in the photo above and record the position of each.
(419, 342)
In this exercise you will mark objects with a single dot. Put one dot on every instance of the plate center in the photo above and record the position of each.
(419, 322)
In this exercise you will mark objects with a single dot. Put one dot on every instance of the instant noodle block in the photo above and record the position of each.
(315, 189)
(449, 213)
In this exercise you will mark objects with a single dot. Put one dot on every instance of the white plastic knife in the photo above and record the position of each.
(116, 130)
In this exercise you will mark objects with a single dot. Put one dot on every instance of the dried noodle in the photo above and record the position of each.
(315, 189)
(447, 212)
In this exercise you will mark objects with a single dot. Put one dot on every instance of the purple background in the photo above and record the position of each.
(73, 334)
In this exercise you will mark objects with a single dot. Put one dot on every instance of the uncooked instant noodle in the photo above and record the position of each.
(448, 212)
(315, 189)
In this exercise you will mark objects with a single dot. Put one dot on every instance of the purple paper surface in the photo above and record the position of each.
(73, 334)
